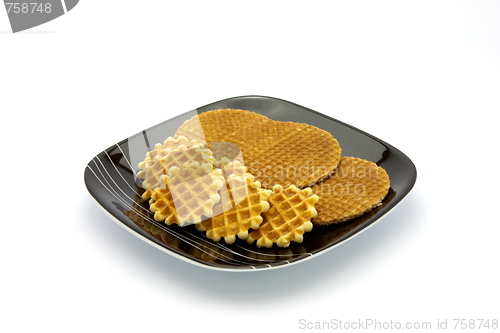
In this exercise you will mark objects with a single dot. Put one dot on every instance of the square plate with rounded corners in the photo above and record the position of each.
(112, 181)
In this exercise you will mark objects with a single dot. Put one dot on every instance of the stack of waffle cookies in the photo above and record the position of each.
(236, 174)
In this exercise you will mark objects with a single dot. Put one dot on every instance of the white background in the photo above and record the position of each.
(423, 76)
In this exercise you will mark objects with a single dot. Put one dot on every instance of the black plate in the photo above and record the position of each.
(111, 179)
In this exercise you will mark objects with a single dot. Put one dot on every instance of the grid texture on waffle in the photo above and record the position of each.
(177, 157)
(163, 207)
(356, 187)
(288, 218)
(189, 196)
(215, 125)
(239, 209)
(233, 168)
(275, 152)
(287, 153)
(162, 150)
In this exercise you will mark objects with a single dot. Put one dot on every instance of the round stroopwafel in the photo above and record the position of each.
(356, 187)
(288, 218)
(287, 153)
(216, 125)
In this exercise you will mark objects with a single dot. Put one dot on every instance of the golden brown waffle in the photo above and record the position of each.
(275, 152)
(161, 150)
(215, 125)
(288, 218)
(189, 195)
(239, 210)
(287, 153)
(175, 157)
(162, 205)
(356, 187)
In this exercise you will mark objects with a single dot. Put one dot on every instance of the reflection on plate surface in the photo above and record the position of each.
(111, 178)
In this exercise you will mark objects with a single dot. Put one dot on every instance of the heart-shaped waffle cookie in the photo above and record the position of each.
(275, 152)
(215, 125)
(287, 153)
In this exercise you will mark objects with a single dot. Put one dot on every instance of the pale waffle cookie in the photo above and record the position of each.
(175, 157)
(216, 125)
(222, 162)
(232, 168)
(189, 196)
(288, 218)
(287, 153)
(356, 187)
(240, 209)
(161, 150)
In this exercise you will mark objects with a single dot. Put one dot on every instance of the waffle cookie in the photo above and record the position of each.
(216, 125)
(161, 150)
(163, 207)
(288, 218)
(287, 153)
(239, 210)
(356, 187)
(189, 195)
(175, 157)
(232, 168)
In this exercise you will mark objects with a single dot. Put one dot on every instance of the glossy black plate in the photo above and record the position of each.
(112, 181)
